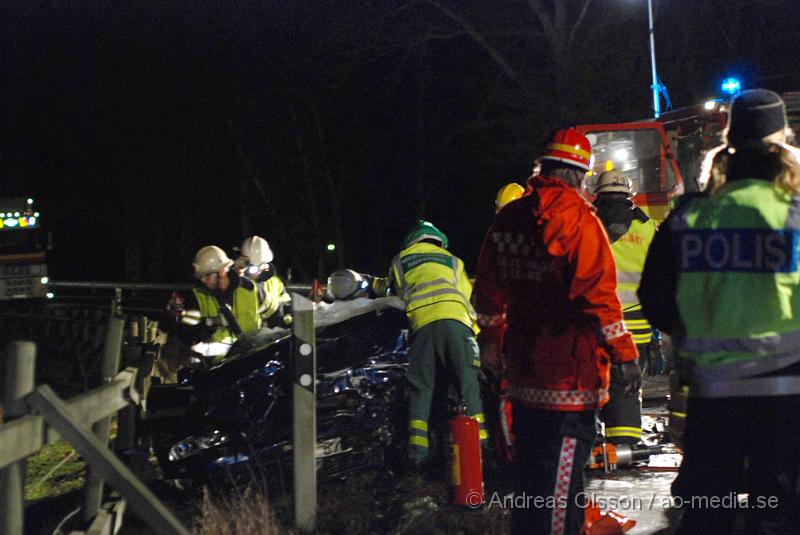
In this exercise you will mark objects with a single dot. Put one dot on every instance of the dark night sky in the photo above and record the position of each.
(146, 130)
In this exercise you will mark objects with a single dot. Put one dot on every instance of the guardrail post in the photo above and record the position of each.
(93, 489)
(304, 413)
(19, 382)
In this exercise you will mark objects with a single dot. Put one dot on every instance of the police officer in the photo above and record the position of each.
(436, 290)
(630, 232)
(723, 275)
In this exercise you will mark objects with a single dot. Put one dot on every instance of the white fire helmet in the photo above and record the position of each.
(345, 283)
(613, 181)
(210, 259)
(256, 250)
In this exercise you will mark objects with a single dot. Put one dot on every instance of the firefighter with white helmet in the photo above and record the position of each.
(221, 308)
(630, 232)
(255, 263)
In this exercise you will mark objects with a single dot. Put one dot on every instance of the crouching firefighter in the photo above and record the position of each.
(221, 308)
(437, 292)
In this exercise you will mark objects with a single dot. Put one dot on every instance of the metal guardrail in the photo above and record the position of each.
(83, 421)
(139, 297)
(24, 433)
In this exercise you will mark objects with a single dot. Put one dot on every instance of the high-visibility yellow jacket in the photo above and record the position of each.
(433, 284)
(630, 251)
(274, 295)
(244, 308)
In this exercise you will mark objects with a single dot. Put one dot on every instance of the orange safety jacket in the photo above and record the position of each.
(546, 276)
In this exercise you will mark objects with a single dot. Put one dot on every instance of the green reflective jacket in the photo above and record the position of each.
(738, 290)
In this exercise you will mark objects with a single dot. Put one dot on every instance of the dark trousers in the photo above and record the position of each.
(738, 445)
(552, 449)
(622, 414)
(453, 345)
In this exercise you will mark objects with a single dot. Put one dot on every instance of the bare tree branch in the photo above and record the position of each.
(578, 22)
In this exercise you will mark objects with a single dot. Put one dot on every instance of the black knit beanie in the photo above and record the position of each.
(753, 115)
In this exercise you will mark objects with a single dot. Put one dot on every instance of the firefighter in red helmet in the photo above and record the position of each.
(546, 284)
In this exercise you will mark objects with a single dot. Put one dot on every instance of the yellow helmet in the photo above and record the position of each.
(509, 192)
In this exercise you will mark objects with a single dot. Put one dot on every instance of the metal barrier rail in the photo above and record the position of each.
(138, 297)
(84, 422)
(145, 286)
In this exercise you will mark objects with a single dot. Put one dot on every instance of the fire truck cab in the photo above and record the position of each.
(644, 153)
(663, 157)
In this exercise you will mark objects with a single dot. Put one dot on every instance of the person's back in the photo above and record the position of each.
(436, 290)
(724, 275)
(445, 296)
(536, 237)
(546, 291)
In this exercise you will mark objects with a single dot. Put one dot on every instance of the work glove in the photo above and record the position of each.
(490, 357)
(631, 377)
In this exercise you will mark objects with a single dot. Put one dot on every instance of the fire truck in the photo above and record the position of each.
(23, 245)
(663, 156)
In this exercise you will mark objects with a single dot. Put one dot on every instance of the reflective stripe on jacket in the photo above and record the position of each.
(546, 275)
(738, 290)
(245, 311)
(433, 284)
(630, 251)
(274, 296)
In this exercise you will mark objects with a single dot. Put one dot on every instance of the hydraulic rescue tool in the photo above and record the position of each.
(609, 456)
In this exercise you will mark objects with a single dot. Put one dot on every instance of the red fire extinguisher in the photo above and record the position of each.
(466, 461)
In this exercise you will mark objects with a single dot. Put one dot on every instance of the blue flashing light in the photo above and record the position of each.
(732, 86)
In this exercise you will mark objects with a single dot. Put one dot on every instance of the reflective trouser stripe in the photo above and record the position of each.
(418, 441)
(622, 431)
(419, 433)
(566, 460)
(642, 338)
(482, 421)
(419, 424)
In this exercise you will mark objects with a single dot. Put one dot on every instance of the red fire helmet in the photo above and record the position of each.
(568, 146)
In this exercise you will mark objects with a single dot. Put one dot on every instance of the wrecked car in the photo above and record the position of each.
(234, 420)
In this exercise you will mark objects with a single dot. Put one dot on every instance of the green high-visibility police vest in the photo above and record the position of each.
(245, 310)
(630, 251)
(738, 289)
